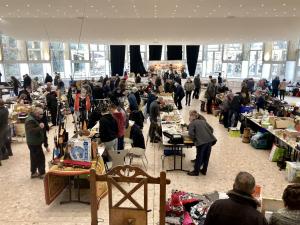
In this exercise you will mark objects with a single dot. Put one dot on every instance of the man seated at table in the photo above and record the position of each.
(240, 208)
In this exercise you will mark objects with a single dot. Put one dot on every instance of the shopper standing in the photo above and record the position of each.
(16, 84)
(48, 78)
(27, 81)
(178, 95)
(35, 138)
(197, 85)
(210, 95)
(188, 87)
(202, 134)
(282, 89)
(3, 127)
(275, 85)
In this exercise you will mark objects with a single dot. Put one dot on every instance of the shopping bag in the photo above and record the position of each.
(276, 153)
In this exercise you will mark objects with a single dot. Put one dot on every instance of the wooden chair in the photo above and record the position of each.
(128, 215)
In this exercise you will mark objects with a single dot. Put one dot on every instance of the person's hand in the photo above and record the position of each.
(42, 125)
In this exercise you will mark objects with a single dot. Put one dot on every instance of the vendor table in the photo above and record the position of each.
(57, 179)
(173, 125)
(293, 151)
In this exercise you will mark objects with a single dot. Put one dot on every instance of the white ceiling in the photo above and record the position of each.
(151, 21)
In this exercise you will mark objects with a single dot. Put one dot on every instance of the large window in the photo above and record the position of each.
(57, 57)
(213, 59)
(99, 60)
(279, 50)
(233, 52)
(12, 70)
(80, 60)
(34, 50)
(36, 70)
(256, 60)
(278, 70)
(79, 52)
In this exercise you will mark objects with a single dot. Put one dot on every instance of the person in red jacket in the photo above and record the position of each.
(82, 106)
(120, 116)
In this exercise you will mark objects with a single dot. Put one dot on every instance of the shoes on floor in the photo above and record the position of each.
(203, 172)
(193, 173)
(34, 175)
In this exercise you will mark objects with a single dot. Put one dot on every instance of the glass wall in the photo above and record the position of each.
(256, 60)
(83, 61)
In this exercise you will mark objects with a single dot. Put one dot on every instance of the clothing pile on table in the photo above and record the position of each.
(188, 208)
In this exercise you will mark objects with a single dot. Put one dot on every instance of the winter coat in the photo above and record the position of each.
(179, 92)
(136, 135)
(275, 84)
(154, 111)
(150, 99)
(239, 209)
(197, 82)
(133, 105)
(189, 86)
(27, 82)
(285, 217)
(3, 125)
(48, 79)
(77, 103)
(211, 91)
(34, 133)
(201, 132)
(108, 128)
(121, 121)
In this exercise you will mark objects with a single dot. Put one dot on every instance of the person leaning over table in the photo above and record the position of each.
(240, 208)
(290, 215)
(202, 134)
(35, 138)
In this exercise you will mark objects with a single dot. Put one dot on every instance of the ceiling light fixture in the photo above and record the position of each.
(283, 4)
(28, 5)
(70, 6)
(241, 6)
(91, 6)
(6, 5)
(262, 5)
(219, 6)
(49, 5)
(294, 9)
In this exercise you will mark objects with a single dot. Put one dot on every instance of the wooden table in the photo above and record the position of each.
(57, 179)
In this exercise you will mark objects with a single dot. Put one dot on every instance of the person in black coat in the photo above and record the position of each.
(48, 78)
(178, 95)
(137, 137)
(275, 87)
(51, 98)
(138, 117)
(25, 94)
(3, 130)
(27, 81)
(16, 84)
(240, 208)
(234, 110)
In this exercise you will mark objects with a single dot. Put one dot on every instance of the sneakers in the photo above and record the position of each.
(34, 175)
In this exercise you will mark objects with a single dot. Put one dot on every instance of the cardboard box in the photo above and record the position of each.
(284, 122)
(272, 120)
(293, 172)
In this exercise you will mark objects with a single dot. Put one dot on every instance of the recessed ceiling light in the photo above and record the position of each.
(18, 10)
(49, 5)
(190, 16)
(284, 12)
(262, 5)
(113, 6)
(91, 6)
(97, 10)
(294, 9)
(176, 6)
(134, 6)
(6, 5)
(283, 4)
(274, 10)
(28, 5)
(70, 6)
(198, 6)
(219, 6)
(241, 5)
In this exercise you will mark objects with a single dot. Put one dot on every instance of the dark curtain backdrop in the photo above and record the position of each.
(136, 62)
(155, 52)
(174, 52)
(192, 52)
(117, 58)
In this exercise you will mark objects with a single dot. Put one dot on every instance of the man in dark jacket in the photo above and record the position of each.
(3, 127)
(27, 81)
(133, 105)
(48, 78)
(202, 134)
(178, 95)
(211, 95)
(197, 84)
(240, 208)
(234, 110)
(275, 87)
(35, 138)
(154, 114)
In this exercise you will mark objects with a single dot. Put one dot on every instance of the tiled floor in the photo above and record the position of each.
(22, 199)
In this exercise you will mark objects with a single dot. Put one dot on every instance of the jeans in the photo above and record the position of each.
(37, 159)
(209, 106)
(196, 93)
(188, 98)
(282, 94)
(232, 118)
(202, 158)
(275, 93)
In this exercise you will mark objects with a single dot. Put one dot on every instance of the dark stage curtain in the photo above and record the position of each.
(155, 52)
(136, 62)
(192, 52)
(174, 52)
(117, 59)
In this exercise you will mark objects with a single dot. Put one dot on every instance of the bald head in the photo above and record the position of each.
(244, 182)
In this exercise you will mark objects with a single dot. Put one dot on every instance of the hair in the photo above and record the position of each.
(244, 182)
(1, 102)
(196, 115)
(291, 197)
